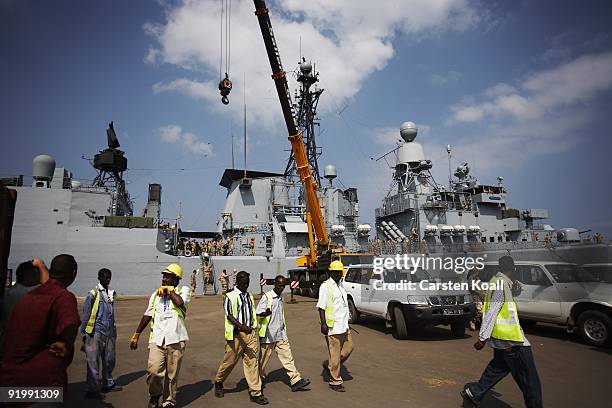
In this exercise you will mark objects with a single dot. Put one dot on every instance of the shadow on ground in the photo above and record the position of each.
(75, 396)
(419, 333)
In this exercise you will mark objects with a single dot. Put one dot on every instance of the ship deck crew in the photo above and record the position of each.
(99, 336)
(224, 279)
(273, 334)
(511, 350)
(166, 314)
(242, 340)
(334, 316)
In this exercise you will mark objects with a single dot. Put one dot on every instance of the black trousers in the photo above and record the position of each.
(519, 362)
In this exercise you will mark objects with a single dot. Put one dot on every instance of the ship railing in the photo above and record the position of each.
(390, 248)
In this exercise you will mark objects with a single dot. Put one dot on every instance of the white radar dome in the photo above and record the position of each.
(43, 167)
(330, 172)
(408, 131)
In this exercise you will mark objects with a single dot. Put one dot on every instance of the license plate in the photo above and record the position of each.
(451, 311)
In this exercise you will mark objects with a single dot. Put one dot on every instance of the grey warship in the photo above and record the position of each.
(420, 215)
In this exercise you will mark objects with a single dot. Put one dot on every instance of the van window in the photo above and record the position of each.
(564, 273)
(532, 275)
(366, 275)
(352, 275)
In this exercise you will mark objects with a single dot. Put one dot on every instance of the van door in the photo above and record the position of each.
(352, 285)
(539, 298)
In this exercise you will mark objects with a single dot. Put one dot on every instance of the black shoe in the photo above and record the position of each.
(468, 398)
(93, 395)
(219, 393)
(300, 385)
(153, 401)
(114, 388)
(260, 399)
(337, 388)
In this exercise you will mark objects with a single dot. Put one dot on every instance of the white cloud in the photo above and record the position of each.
(188, 141)
(349, 40)
(542, 93)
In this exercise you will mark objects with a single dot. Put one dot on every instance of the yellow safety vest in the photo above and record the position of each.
(235, 299)
(507, 326)
(264, 321)
(329, 309)
(180, 312)
(94, 310)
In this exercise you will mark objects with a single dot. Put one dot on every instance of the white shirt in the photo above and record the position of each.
(168, 327)
(340, 304)
(276, 327)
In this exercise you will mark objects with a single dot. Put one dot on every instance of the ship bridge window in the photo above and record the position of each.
(491, 239)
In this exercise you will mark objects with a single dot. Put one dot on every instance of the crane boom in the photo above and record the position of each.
(295, 136)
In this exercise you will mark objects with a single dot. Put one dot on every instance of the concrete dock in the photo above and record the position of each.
(427, 370)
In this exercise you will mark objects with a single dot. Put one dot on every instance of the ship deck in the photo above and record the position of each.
(427, 370)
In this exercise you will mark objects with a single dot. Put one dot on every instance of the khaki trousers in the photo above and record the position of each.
(245, 346)
(340, 347)
(165, 361)
(283, 351)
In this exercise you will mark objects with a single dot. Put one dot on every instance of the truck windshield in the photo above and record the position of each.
(570, 273)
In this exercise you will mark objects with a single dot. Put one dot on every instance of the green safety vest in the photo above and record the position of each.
(94, 310)
(235, 299)
(180, 312)
(329, 309)
(507, 326)
(264, 321)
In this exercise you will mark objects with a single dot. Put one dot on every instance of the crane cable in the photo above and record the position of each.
(225, 85)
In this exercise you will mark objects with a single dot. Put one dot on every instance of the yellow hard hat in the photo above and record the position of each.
(336, 266)
(174, 269)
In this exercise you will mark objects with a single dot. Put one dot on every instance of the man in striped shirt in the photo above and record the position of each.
(242, 339)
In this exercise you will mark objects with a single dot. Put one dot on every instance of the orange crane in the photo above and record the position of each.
(314, 215)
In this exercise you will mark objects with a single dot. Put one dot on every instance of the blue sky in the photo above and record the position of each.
(520, 89)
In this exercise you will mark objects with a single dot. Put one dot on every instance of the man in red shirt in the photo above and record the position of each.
(39, 342)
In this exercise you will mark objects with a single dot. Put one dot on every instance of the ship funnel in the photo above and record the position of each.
(408, 131)
(43, 167)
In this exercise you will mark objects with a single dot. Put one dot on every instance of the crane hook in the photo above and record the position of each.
(225, 87)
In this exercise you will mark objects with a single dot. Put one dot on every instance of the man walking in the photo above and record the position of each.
(511, 350)
(334, 316)
(166, 314)
(242, 339)
(99, 336)
(273, 334)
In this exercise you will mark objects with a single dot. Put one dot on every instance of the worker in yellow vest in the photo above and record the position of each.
(334, 316)
(166, 314)
(273, 334)
(502, 331)
(99, 336)
(242, 339)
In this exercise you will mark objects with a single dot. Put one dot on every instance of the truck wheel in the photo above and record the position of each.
(399, 326)
(458, 329)
(353, 313)
(595, 327)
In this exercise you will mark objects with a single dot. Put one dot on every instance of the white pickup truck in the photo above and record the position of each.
(405, 309)
(564, 294)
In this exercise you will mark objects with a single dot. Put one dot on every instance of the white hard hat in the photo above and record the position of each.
(206, 254)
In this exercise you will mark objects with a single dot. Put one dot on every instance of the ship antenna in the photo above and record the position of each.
(450, 180)
(245, 126)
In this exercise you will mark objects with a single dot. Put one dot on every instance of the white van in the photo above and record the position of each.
(565, 294)
(405, 309)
